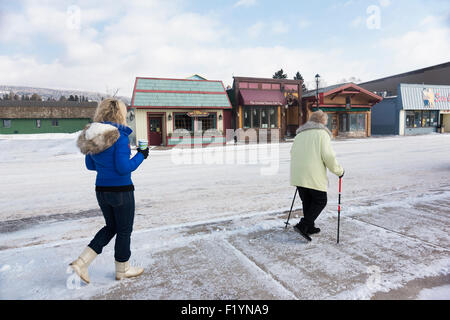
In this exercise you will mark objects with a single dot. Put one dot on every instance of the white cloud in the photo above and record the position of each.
(245, 3)
(279, 27)
(160, 39)
(419, 48)
(255, 30)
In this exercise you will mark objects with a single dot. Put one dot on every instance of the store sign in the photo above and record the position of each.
(198, 113)
(432, 98)
(428, 98)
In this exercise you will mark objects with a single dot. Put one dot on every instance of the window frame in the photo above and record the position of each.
(272, 118)
(175, 114)
(7, 123)
(212, 116)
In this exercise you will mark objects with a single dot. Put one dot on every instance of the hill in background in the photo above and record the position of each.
(55, 94)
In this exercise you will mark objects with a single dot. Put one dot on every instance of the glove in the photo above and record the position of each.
(144, 152)
(342, 174)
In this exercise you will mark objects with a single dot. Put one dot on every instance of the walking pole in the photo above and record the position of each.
(339, 208)
(292, 205)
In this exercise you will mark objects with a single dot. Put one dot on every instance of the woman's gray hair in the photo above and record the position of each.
(319, 117)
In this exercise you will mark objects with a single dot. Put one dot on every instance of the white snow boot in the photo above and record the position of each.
(80, 266)
(124, 270)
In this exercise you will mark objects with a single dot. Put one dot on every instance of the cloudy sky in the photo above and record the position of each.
(103, 45)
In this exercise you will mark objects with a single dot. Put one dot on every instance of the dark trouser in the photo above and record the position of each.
(314, 202)
(118, 210)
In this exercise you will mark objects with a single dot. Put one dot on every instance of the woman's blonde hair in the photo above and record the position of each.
(112, 110)
(320, 117)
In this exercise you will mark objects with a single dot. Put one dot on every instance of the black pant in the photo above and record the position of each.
(314, 202)
(118, 210)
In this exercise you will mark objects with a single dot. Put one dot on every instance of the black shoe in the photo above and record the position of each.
(302, 230)
(313, 230)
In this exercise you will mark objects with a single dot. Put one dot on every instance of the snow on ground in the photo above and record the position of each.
(213, 227)
(437, 293)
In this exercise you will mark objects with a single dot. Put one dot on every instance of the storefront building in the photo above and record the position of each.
(27, 116)
(418, 109)
(174, 112)
(271, 104)
(348, 107)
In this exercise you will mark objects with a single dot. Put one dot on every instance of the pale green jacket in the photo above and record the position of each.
(311, 155)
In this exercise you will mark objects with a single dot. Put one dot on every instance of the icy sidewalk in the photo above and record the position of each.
(382, 248)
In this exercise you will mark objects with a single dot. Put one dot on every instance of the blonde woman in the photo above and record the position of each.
(106, 146)
(311, 155)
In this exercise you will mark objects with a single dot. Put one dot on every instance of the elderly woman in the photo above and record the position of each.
(107, 149)
(311, 155)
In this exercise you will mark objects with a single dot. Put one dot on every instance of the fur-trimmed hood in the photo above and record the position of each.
(313, 125)
(96, 137)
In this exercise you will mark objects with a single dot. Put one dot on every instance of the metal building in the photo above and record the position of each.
(417, 109)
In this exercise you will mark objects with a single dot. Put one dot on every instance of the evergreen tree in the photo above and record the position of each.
(279, 75)
(298, 76)
(71, 98)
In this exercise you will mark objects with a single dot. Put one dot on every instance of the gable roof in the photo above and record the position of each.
(179, 93)
(326, 91)
(196, 77)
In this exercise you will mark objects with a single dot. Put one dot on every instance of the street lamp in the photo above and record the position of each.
(317, 90)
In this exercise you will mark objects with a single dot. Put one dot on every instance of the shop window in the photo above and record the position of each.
(207, 123)
(38, 123)
(433, 118)
(353, 122)
(261, 117)
(55, 123)
(247, 119)
(6, 123)
(273, 118)
(343, 122)
(330, 122)
(410, 119)
(264, 118)
(256, 113)
(425, 119)
(417, 119)
(361, 122)
(183, 121)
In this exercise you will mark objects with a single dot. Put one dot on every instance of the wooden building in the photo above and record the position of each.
(348, 107)
(174, 112)
(27, 116)
(264, 103)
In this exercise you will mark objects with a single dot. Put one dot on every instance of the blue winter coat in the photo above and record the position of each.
(108, 152)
